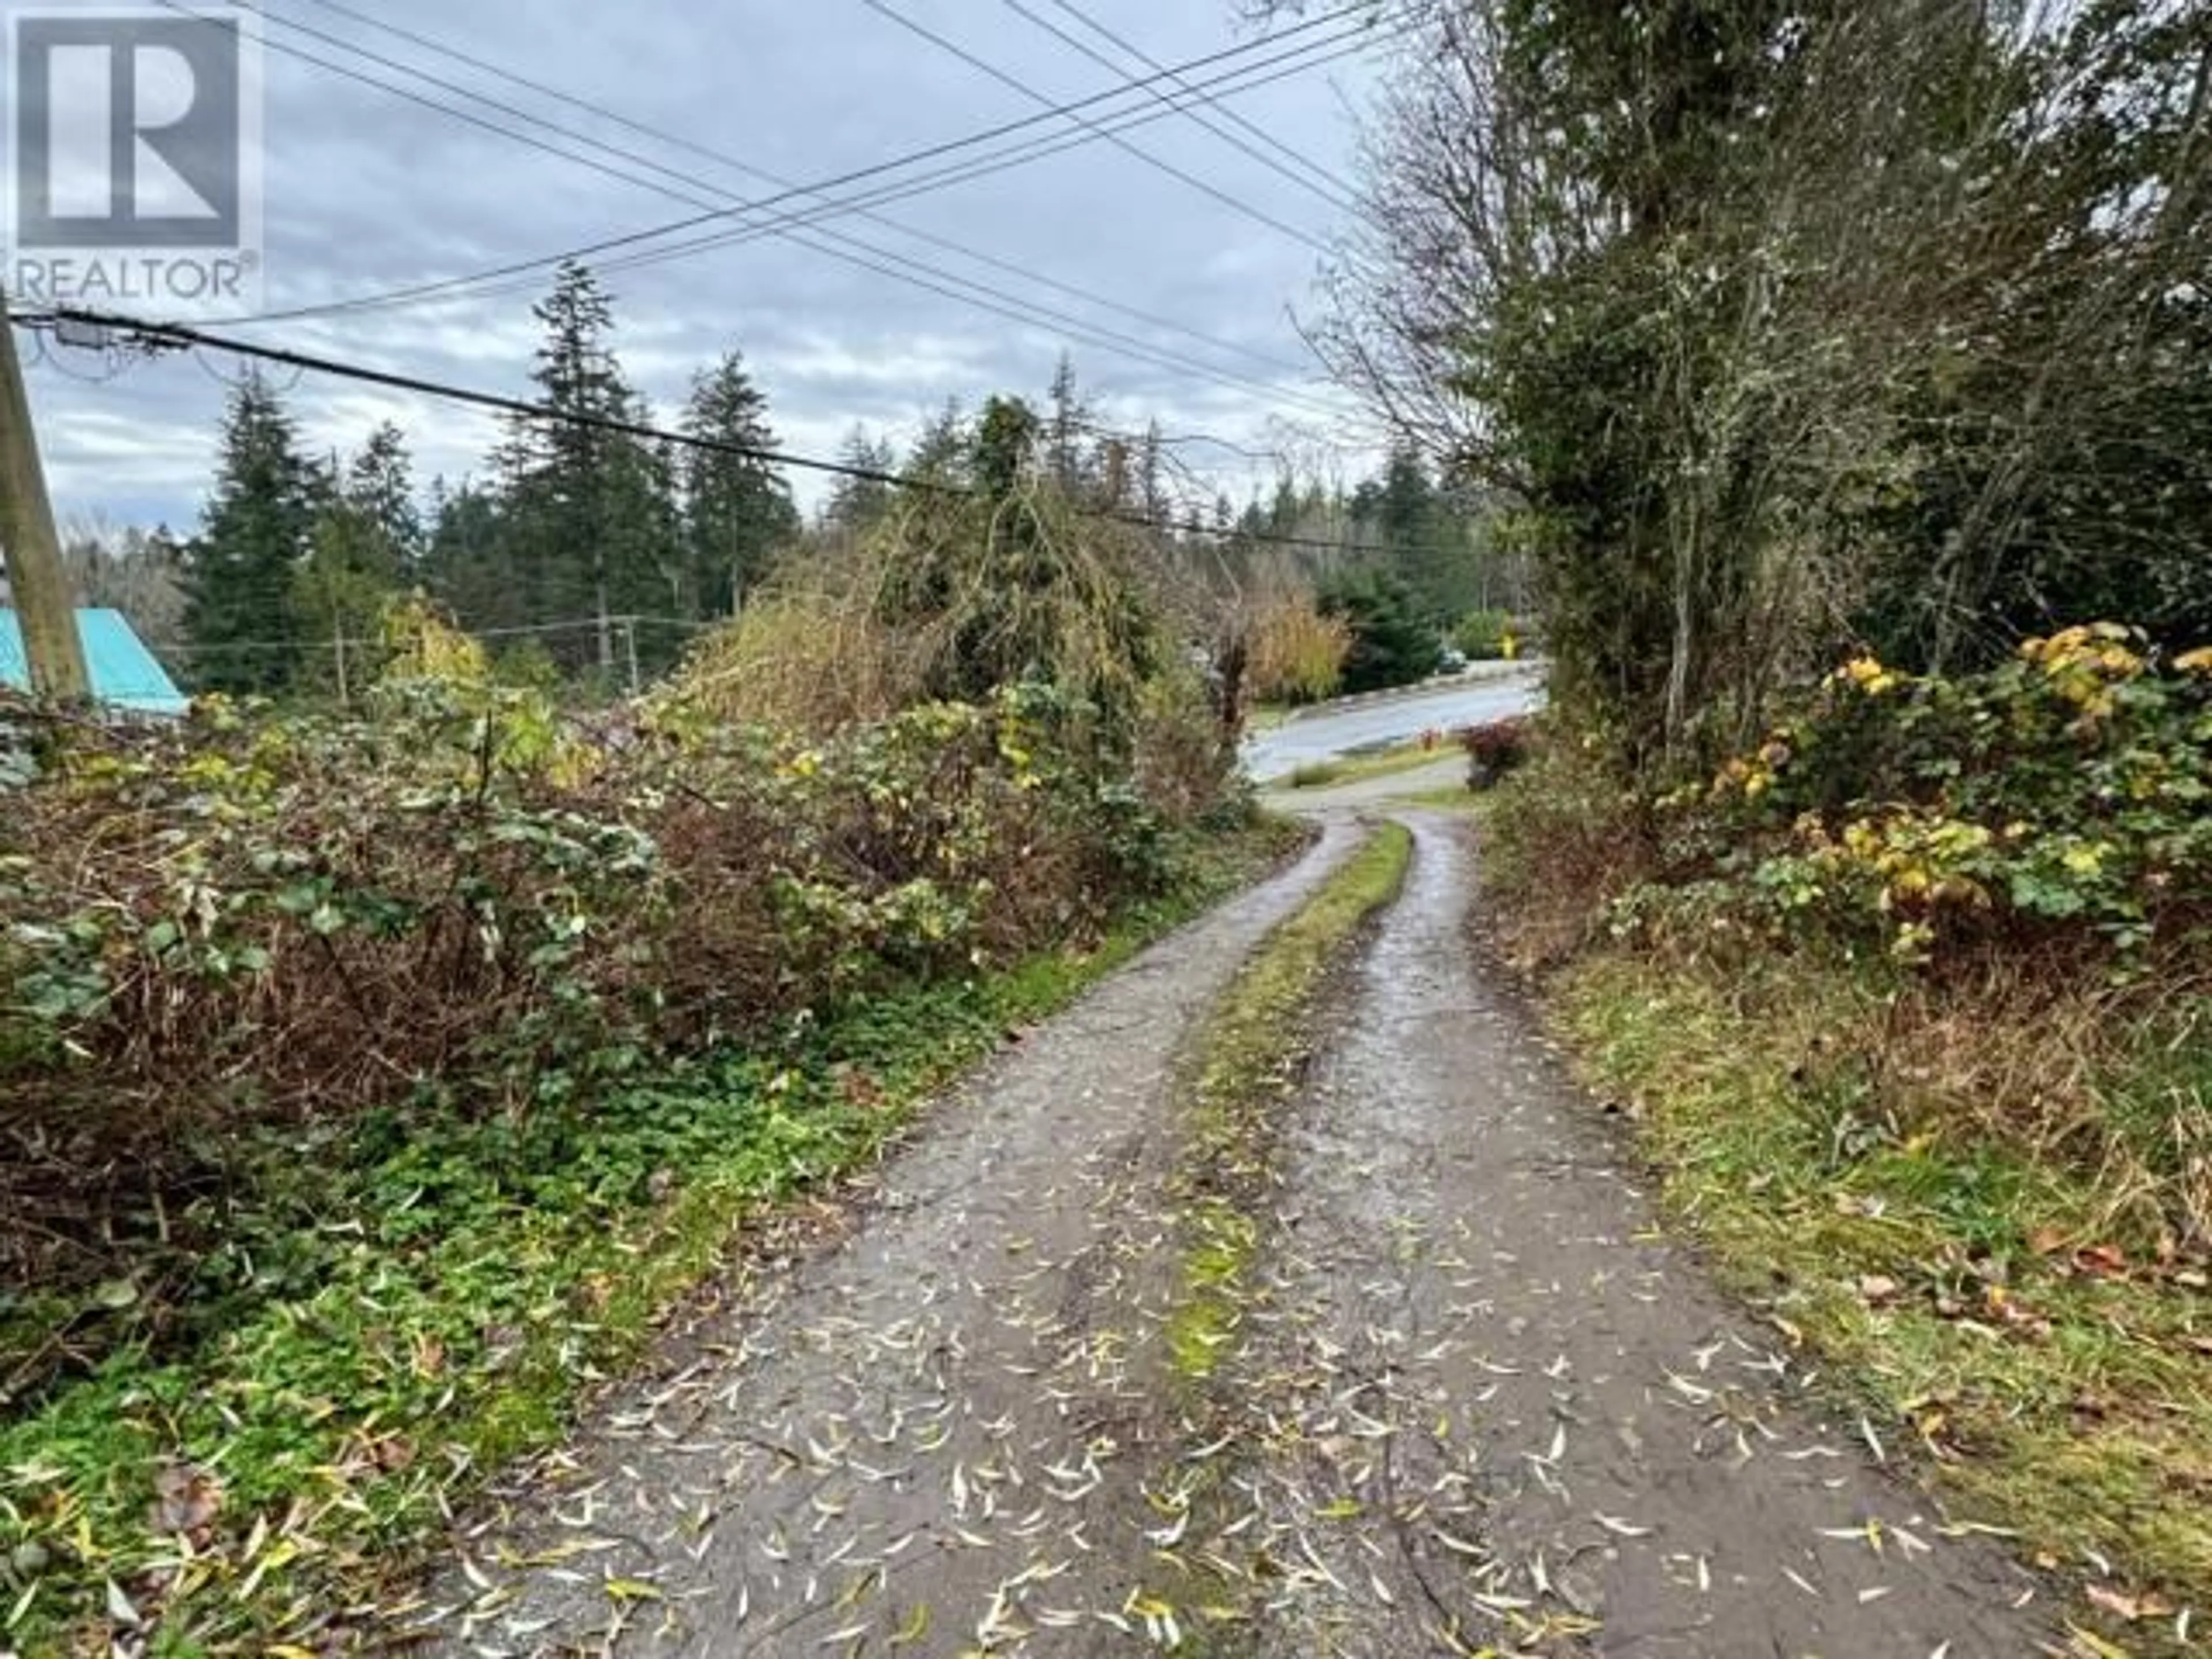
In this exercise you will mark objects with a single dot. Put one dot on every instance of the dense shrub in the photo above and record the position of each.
(1495, 749)
(248, 921)
(1184, 761)
(1483, 635)
(2014, 866)
(1390, 644)
(2062, 796)
(801, 658)
(282, 917)
(1565, 836)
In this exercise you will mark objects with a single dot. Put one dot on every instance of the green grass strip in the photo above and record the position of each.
(1250, 1058)
(1362, 768)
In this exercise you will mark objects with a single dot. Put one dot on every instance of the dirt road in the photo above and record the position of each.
(1477, 1404)
(938, 1429)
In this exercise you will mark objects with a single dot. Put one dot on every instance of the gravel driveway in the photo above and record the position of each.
(1478, 1403)
(933, 1434)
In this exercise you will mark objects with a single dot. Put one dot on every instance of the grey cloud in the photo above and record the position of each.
(366, 191)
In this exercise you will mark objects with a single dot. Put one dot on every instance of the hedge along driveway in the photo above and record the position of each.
(435, 1293)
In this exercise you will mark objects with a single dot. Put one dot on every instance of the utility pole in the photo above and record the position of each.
(51, 643)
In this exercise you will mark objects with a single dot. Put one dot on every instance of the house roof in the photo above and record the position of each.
(124, 672)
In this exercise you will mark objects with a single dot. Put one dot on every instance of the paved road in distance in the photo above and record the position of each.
(1324, 735)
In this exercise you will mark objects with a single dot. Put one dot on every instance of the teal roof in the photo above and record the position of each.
(124, 672)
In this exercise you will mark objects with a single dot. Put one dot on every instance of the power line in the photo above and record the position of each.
(1010, 156)
(1181, 441)
(161, 335)
(1247, 81)
(1329, 180)
(1244, 146)
(962, 290)
(1212, 191)
(180, 335)
(723, 158)
(947, 284)
(889, 193)
(991, 299)
(966, 290)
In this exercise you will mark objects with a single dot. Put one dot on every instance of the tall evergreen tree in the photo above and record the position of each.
(1390, 646)
(587, 521)
(648, 565)
(855, 503)
(1006, 433)
(1067, 420)
(1425, 535)
(943, 450)
(737, 508)
(465, 563)
(254, 531)
(1425, 542)
(1150, 482)
(380, 498)
(366, 545)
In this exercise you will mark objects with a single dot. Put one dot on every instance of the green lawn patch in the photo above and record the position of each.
(1458, 798)
(1361, 769)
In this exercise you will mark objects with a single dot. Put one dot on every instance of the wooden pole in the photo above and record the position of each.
(40, 587)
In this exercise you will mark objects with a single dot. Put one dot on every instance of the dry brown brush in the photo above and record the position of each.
(459, 903)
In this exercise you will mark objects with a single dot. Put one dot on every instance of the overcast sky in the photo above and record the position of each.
(367, 192)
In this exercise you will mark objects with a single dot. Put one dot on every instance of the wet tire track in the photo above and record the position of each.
(1476, 1403)
(943, 1435)
(1486, 1406)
